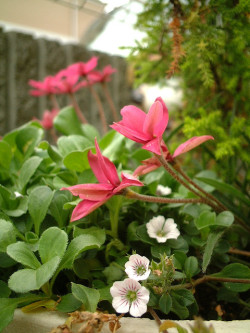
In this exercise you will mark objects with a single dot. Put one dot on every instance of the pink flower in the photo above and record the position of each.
(129, 295)
(95, 195)
(67, 83)
(143, 128)
(45, 87)
(148, 129)
(102, 76)
(48, 117)
(83, 68)
(153, 163)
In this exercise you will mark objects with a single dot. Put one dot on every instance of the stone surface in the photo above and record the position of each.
(44, 322)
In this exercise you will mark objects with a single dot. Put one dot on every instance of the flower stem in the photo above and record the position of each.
(77, 109)
(100, 108)
(110, 101)
(156, 318)
(207, 278)
(178, 168)
(128, 193)
(240, 252)
(54, 102)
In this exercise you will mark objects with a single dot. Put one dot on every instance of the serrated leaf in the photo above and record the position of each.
(21, 253)
(212, 240)
(26, 280)
(53, 242)
(38, 204)
(78, 245)
(88, 296)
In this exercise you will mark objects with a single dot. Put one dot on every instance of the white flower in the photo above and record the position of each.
(163, 190)
(137, 267)
(129, 295)
(162, 229)
(17, 194)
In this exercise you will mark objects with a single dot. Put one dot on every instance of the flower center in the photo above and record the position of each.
(131, 296)
(160, 233)
(140, 270)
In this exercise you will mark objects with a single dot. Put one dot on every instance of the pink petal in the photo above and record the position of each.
(91, 64)
(153, 124)
(93, 192)
(133, 118)
(191, 143)
(154, 146)
(130, 133)
(144, 169)
(85, 207)
(127, 180)
(109, 169)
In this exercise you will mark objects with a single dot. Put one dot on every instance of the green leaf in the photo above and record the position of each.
(8, 306)
(88, 296)
(4, 289)
(53, 242)
(78, 245)
(191, 266)
(98, 233)
(225, 219)
(56, 207)
(111, 145)
(68, 303)
(27, 139)
(27, 171)
(211, 242)
(5, 154)
(180, 310)
(159, 250)
(77, 160)
(21, 209)
(67, 122)
(52, 151)
(73, 143)
(165, 303)
(225, 188)
(7, 234)
(142, 234)
(235, 271)
(38, 204)
(90, 132)
(21, 252)
(205, 219)
(26, 280)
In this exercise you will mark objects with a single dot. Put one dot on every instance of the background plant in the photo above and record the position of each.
(205, 44)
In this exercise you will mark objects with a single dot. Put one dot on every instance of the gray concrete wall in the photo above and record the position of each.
(22, 57)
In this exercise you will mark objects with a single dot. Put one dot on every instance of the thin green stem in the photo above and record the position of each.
(128, 193)
(114, 217)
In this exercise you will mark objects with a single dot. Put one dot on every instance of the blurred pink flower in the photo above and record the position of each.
(48, 117)
(95, 195)
(143, 128)
(82, 68)
(45, 87)
(102, 76)
(67, 83)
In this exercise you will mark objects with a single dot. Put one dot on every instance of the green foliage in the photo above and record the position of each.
(205, 45)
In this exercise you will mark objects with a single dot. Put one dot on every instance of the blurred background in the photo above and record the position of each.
(40, 37)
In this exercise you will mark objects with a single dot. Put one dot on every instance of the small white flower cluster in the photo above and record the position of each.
(129, 295)
(163, 190)
(162, 229)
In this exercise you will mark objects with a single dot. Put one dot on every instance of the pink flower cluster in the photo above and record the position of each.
(140, 127)
(71, 79)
